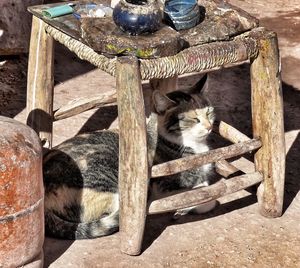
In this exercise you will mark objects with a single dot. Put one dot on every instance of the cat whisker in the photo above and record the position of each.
(182, 149)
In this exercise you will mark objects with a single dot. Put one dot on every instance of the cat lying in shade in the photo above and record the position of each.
(81, 174)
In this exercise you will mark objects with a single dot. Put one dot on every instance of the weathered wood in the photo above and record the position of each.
(225, 168)
(40, 82)
(67, 24)
(182, 164)
(195, 59)
(244, 165)
(230, 133)
(104, 36)
(222, 22)
(81, 105)
(267, 120)
(202, 195)
(133, 162)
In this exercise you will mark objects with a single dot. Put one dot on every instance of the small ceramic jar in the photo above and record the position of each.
(137, 17)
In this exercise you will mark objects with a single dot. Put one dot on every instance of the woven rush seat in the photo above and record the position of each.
(227, 37)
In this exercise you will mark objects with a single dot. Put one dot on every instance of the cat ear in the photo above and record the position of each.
(199, 86)
(162, 102)
(179, 96)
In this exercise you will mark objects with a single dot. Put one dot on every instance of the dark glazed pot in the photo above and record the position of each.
(137, 17)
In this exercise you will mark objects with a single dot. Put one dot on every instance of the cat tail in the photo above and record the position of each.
(58, 227)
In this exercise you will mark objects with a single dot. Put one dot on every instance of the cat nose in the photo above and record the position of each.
(209, 128)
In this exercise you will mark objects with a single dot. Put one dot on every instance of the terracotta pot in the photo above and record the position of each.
(21, 195)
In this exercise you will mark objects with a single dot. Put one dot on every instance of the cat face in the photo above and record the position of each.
(184, 118)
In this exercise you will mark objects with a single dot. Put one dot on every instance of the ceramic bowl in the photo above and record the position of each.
(182, 14)
(137, 17)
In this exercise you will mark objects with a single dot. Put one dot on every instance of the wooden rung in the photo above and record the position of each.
(235, 136)
(81, 105)
(189, 162)
(243, 165)
(230, 133)
(225, 169)
(205, 194)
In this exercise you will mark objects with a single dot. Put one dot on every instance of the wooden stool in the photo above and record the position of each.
(228, 36)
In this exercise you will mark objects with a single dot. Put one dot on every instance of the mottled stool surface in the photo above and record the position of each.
(222, 22)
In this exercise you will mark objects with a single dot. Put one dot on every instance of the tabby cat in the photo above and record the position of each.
(81, 174)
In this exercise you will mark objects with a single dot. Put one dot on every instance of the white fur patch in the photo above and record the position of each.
(188, 140)
(94, 203)
(201, 209)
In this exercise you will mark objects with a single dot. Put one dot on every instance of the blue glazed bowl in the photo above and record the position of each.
(180, 7)
(137, 17)
(182, 14)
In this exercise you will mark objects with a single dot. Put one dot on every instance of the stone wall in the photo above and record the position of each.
(15, 24)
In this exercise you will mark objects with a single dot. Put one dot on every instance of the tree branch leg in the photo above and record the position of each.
(133, 161)
(267, 118)
(40, 82)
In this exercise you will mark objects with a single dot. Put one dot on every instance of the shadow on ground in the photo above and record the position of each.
(55, 250)
(291, 96)
(13, 77)
(156, 224)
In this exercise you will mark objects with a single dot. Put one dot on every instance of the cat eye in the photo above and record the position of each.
(173, 128)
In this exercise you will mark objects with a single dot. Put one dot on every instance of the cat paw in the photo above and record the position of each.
(201, 209)
(179, 213)
(206, 207)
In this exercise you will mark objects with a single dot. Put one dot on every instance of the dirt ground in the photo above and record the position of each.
(234, 234)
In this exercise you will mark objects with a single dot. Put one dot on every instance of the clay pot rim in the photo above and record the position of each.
(147, 4)
(151, 7)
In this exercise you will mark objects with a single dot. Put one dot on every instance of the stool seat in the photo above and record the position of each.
(222, 21)
(227, 37)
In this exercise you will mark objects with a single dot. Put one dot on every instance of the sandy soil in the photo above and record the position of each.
(234, 234)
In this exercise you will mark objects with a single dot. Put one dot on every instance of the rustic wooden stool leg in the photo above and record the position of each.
(133, 161)
(40, 82)
(267, 117)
